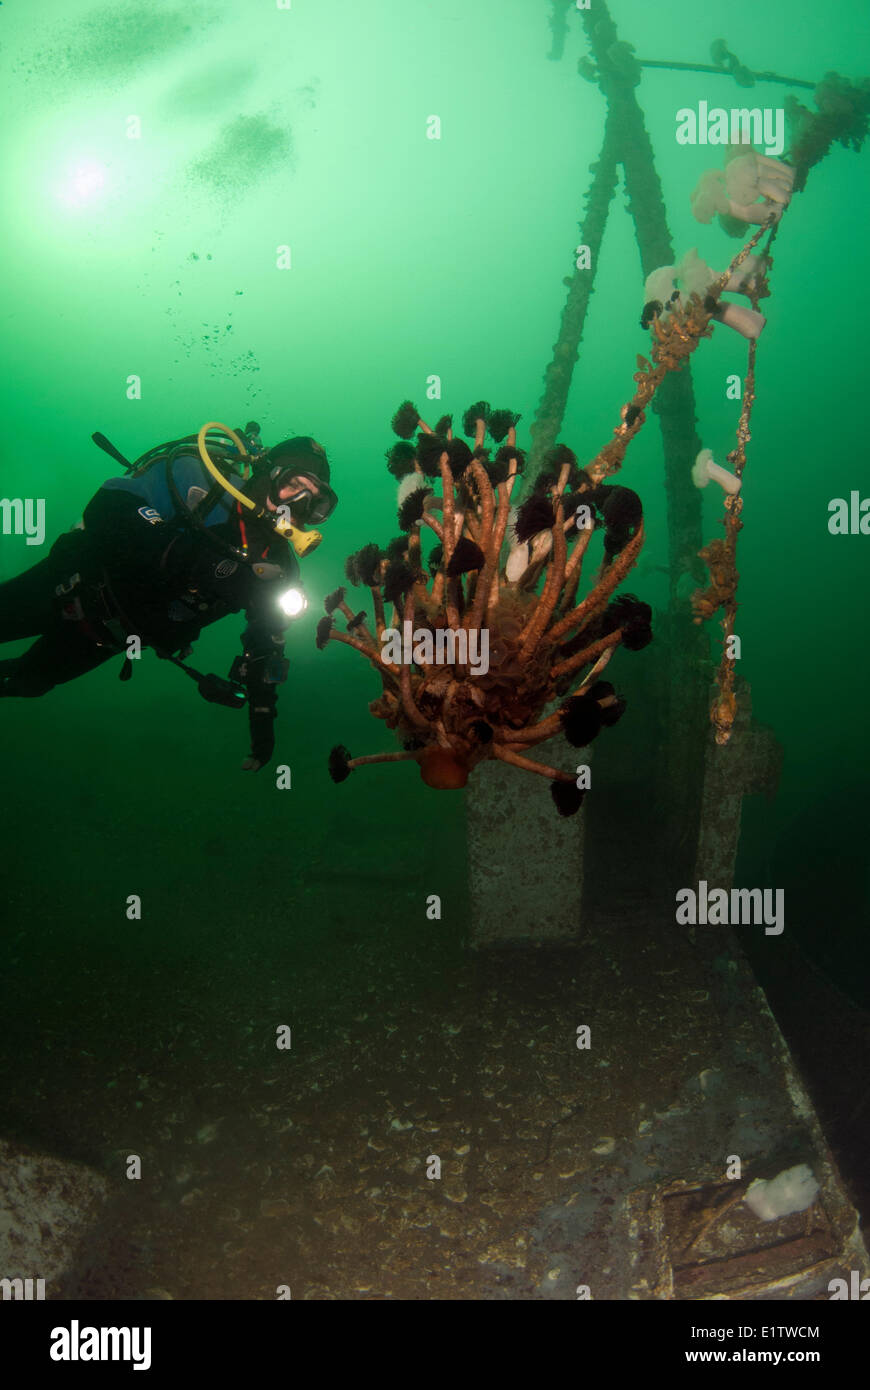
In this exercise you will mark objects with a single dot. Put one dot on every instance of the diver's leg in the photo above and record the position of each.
(61, 655)
(28, 603)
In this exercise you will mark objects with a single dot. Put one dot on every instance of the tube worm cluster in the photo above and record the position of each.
(515, 576)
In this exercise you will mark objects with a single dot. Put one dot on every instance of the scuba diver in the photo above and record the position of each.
(176, 544)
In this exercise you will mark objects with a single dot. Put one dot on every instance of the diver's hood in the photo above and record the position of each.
(302, 456)
(258, 488)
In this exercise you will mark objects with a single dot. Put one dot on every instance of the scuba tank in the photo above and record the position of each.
(239, 453)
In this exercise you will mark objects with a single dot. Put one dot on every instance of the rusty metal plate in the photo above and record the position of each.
(715, 1244)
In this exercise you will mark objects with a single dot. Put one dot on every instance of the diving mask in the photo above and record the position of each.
(307, 507)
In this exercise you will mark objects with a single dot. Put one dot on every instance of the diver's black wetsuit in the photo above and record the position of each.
(132, 571)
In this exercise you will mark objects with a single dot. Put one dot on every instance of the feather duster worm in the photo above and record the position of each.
(521, 609)
(489, 628)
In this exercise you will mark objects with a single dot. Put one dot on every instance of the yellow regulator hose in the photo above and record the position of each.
(212, 466)
(302, 541)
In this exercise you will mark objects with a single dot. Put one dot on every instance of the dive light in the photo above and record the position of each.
(292, 602)
(302, 541)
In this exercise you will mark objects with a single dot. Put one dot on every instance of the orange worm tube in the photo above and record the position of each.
(598, 596)
(506, 755)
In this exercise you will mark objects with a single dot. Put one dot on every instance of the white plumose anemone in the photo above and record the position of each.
(705, 470)
(793, 1190)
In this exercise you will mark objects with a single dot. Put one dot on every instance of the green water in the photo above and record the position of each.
(155, 257)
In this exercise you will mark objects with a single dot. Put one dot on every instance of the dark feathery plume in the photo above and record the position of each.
(634, 617)
(581, 720)
(611, 714)
(499, 469)
(478, 411)
(622, 511)
(368, 562)
(508, 452)
(458, 455)
(339, 760)
(398, 580)
(545, 481)
(411, 509)
(400, 458)
(567, 796)
(536, 514)
(405, 420)
(500, 421)
(397, 548)
(430, 447)
(601, 690)
(467, 555)
(559, 455)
